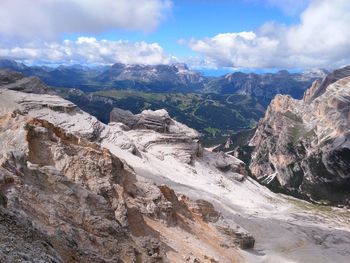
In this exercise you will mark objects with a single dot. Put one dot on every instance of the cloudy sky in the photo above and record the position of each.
(249, 34)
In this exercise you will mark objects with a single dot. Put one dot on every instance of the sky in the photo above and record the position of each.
(205, 34)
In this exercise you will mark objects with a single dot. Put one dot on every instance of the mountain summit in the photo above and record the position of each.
(304, 145)
(140, 189)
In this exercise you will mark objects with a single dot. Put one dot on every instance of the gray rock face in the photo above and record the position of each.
(15, 81)
(318, 88)
(158, 121)
(8, 76)
(303, 146)
(176, 76)
(165, 135)
(65, 197)
(263, 87)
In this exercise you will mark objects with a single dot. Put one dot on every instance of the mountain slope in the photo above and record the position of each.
(263, 86)
(158, 78)
(304, 144)
(170, 78)
(103, 193)
(58, 173)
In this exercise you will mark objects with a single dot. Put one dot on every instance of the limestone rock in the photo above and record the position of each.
(16, 81)
(303, 146)
(157, 133)
(85, 203)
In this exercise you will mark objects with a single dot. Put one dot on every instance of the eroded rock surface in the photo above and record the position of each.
(96, 193)
(67, 198)
(303, 146)
(160, 134)
(16, 81)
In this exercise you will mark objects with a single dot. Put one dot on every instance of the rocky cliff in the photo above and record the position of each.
(140, 189)
(65, 197)
(303, 146)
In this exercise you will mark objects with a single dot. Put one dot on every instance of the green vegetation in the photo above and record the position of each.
(215, 116)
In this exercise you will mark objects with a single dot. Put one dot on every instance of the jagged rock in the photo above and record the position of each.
(318, 88)
(88, 203)
(123, 116)
(305, 144)
(160, 135)
(77, 182)
(158, 121)
(246, 241)
(206, 211)
(22, 242)
(8, 76)
(16, 81)
(230, 166)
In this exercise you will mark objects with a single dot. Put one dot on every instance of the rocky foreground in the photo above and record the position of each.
(141, 189)
(303, 146)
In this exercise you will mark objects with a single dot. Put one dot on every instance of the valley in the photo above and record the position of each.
(215, 106)
(164, 131)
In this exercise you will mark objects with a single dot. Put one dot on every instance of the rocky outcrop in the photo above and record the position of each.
(175, 77)
(73, 189)
(15, 81)
(65, 196)
(263, 87)
(320, 87)
(303, 146)
(160, 134)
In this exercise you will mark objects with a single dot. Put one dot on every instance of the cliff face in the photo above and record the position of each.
(140, 189)
(303, 146)
(65, 197)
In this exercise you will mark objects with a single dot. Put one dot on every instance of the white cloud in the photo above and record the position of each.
(88, 50)
(320, 39)
(50, 18)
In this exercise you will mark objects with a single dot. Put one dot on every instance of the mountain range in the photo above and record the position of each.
(215, 106)
(168, 78)
(142, 188)
(303, 147)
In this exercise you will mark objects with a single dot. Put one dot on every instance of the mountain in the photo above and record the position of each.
(141, 189)
(303, 146)
(158, 78)
(12, 65)
(67, 197)
(16, 81)
(263, 86)
(216, 107)
(170, 78)
(201, 111)
(213, 115)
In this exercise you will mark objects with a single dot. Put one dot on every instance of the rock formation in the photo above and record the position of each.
(15, 81)
(73, 189)
(65, 197)
(304, 145)
(165, 136)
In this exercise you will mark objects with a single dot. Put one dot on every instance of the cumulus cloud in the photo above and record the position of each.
(320, 39)
(89, 50)
(50, 18)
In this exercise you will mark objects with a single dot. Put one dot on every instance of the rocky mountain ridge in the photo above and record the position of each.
(303, 145)
(76, 190)
(169, 78)
(158, 78)
(90, 206)
(264, 86)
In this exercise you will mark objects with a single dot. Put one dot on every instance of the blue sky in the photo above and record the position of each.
(252, 35)
(200, 19)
